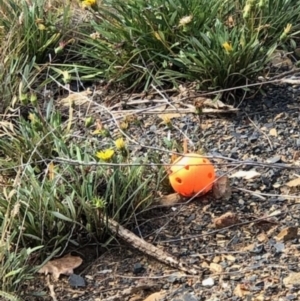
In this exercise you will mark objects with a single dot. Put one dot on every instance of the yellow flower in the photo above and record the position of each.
(120, 143)
(105, 155)
(288, 28)
(227, 46)
(185, 20)
(88, 3)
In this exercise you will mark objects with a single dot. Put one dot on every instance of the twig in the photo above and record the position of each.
(148, 248)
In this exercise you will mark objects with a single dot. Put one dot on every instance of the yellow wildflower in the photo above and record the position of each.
(120, 143)
(227, 46)
(185, 20)
(88, 3)
(105, 155)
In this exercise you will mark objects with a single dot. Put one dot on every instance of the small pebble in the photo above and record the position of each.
(76, 281)
(208, 282)
(138, 268)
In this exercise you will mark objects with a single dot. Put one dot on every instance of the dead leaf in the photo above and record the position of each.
(241, 290)
(217, 104)
(158, 296)
(51, 171)
(292, 279)
(229, 257)
(262, 237)
(286, 234)
(250, 174)
(293, 183)
(222, 189)
(215, 268)
(273, 132)
(76, 99)
(64, 266)
(247, 248)
(296, 156)
(226, 220)
(279, 116)
(170, 199)
(168, 116)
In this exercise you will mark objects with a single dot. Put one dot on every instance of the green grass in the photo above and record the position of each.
(54, 187)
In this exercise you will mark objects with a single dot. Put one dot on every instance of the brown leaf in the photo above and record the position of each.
(273, 132)
(229, 257)
(293, 183)
(296, 155)
(170, 199)
(169, 116)
(292, 279)
(222, 189)
(279, 116)
(262, 237)
(215, 268)
(241, 290)
(226, 220)
(288, 233)
(51, 171)
(64, 265)
(155, 297)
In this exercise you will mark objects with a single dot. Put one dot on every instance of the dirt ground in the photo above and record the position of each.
(254, 257)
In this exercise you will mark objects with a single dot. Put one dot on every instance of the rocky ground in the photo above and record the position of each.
(255, 256)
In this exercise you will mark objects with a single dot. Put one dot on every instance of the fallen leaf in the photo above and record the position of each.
(241, 290)
(229, 257)
(51, 171)
(168, 116)
(226, 220)
(262, 237)
(247, 248)
(293, 183)
(215, 268)
(76, 99)
(217, 104)
(64, 266)
(286, 234)
(292, 279)
(296, 156)
(222, 189)
(273, 132)
(155, 297)
(279, 116)
(170, 199)
(250, 174)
